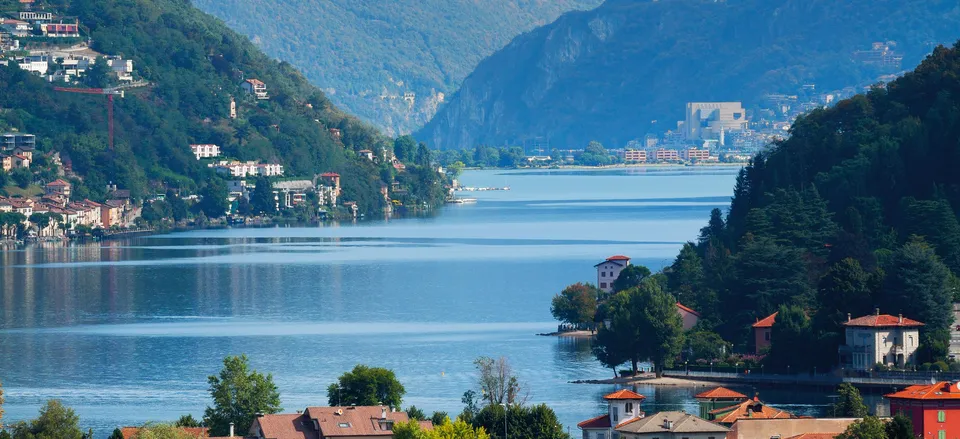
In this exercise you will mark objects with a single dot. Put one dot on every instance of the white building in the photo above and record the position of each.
(706, 120)
(609, 270)
(255, 87)
(247, 169)
(123, 68)
(205, 151)
(880, 338)
(623, 407)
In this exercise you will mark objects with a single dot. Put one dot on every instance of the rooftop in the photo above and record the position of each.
(766, 322)
(618, 258)
(687, 309)
(940, 391)
(624, 395)
(881, 321)
(198, 432)
(751, 408)
(602, 421)
(720, 393)
(673, 422)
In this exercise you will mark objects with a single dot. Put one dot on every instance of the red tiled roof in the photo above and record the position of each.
(329, 174)
(882, 320)
(284, 426)
(602, 421)
(58, 182)
(624, 394)
(720, 393)
(748, 409)
(942, 390)
(197, 432)
(687, 309)
(816, 436)
(352, 421)
(618, 258)
(254, 81)
(767, 321)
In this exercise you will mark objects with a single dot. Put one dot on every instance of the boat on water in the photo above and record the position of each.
(461, 200)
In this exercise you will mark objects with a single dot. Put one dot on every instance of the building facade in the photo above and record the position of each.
(666, 155)
(671, 425)
(694, 154)
(635, 155)
(354, 422)
(205, 151)
(762, 331)
(933, 408)
(706, 120)
(717, 398)
(879, 339)
(609, 270)
(256, 88)
(623, 406)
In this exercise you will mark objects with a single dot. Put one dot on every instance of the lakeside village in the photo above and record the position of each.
(42, 198)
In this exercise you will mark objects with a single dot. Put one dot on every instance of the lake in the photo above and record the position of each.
(127, 331)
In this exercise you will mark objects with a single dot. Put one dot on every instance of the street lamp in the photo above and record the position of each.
(504, 420)
(687, 366)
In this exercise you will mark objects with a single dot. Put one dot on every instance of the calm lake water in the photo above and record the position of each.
(127, 331)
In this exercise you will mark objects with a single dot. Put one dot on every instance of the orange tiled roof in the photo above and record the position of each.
(766, 322)
(815, 436)
(624, 394)
(618, 258)
(882, 320)
(749, 409)
(938, 391)
(687, 309)
(602, 421)
(720, 393)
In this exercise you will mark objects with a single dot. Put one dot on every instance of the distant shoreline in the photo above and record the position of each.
(616, 166)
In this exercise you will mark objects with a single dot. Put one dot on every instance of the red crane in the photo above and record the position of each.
(109, 92)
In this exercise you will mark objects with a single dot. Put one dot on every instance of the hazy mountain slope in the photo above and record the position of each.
(607, 73)
(367, 54)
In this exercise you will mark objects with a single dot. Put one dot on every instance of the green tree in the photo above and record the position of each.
(22, 177)
(498, 384)
(915, 285)
(162, 431)
(470, 406)
(187, 421)
(439, 418)
(55, 421)
(213, 199)
(404, 148)
(416, 414)
(366, 386)
(644, 323)
(238, 395)
(792, 340)
(630, 277)
(900, 427)
(262, 199)
(178, 207)
(446, 430)
(576, 304)
(98, 75)
(523, 422)
(705, 345)
(845, 289)
(117, 434)
(850, 403)
(869, 427)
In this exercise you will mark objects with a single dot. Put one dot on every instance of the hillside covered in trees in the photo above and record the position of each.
(857, 210)
(608, 73)
(367, 54)
(194, 65)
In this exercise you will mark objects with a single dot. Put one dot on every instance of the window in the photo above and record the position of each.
(603, 274)
(615, 414)
(941, 416)
(603, 284)
(766, 335)
(600, 435)
(586, 434)
(942, 434)
(628, 408)
(344, 425)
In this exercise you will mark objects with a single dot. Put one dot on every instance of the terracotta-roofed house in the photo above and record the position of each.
(749, 409)
(58, 187)
(366, 153)
(329, 422)
(718, 398)
(815, 436)
(879, 338)
(623, 406)
(671, 425)
(933, 408)
(255, 87)
(609, 270)
(761, 333)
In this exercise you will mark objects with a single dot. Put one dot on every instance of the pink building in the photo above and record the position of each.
(667, 155)
(689, 316)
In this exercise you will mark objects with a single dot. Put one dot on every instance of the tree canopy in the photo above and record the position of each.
(366, 386)
(55, 421)
(576, 304)
(238, 395)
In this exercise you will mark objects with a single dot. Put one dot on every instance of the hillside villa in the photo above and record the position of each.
(879, 338)
(623, 406)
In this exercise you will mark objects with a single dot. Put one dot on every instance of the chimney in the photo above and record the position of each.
(231, 429)
(383, 412)
(668, 424)
(849, 318)
(877, 311)
(901, 318)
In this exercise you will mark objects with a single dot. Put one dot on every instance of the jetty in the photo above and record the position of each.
(481, 189)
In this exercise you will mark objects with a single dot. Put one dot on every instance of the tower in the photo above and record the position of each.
(233, 108)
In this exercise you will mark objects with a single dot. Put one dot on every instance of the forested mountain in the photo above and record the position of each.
(856, 211)
(367, 54)
(606, 74)
(194, 64)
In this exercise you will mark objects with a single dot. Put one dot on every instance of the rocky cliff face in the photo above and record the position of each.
(628, 67)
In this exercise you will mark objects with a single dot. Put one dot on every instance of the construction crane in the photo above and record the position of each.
(109, 93)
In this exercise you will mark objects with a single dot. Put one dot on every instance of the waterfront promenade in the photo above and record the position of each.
(873, 380)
